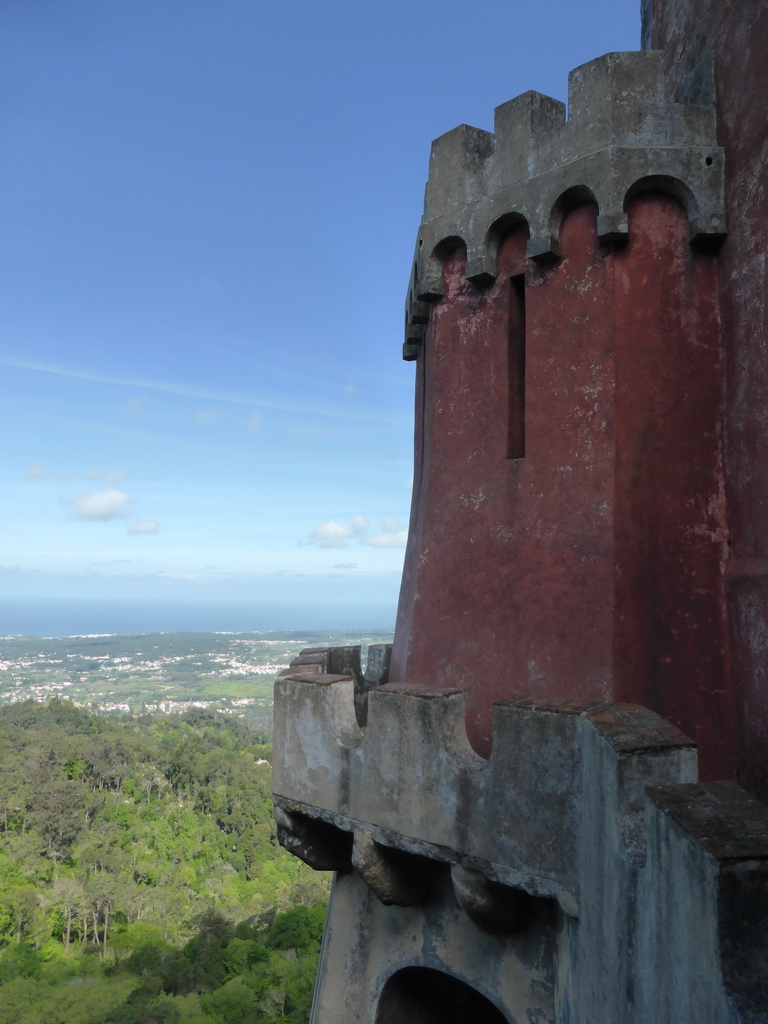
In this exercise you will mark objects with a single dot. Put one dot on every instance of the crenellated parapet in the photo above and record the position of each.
(411, 780)
(585, 829)
(622, 136)
(346, 661)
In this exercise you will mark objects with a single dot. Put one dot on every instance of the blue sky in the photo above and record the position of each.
(208, 214)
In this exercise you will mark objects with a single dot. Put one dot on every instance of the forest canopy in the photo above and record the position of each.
(141, 877)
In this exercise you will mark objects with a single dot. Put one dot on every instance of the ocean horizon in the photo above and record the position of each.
(51, 617)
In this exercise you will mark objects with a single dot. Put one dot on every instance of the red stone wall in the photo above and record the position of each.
(593, 565)
(735, 32)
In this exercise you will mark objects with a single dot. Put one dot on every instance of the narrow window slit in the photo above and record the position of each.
(516, 368)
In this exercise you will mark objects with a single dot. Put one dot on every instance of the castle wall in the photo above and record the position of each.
(717, 49)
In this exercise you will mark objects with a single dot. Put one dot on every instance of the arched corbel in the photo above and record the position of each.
(703, 231)
(431, 287)
(545, 247)
(482, 262)
(496, 908)
(319, 844)
(394, 876)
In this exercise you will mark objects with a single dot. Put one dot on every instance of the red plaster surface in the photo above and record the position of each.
(736, 32)
(592, 567)
(670, 532)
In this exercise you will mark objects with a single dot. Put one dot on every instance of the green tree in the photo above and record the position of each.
(300, 928)
(233, 1003)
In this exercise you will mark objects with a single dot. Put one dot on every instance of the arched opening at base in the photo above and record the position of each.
(420, 995)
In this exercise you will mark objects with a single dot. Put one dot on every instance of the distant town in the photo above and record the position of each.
(160, 673)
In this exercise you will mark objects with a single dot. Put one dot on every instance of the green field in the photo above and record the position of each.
(239, 688)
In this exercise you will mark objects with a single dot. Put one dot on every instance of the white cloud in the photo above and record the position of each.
(392, 534)
(35, 471)
(334, 534)
(144, 526)
(100, 505)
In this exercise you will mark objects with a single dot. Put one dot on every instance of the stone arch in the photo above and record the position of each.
(430, 287)
(670, 186)
(446, 246)
(423, 995)
(562, 206)
(484, 273)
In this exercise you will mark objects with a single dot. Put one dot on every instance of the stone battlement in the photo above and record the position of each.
(586, 827)
(546, 757)
(622, 137)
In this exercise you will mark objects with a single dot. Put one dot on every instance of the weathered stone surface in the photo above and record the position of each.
(394, 876)
(344, 662)
(621, 131)
(412, 773)
(552, 853)
(728, 822)
(367, 944)
(497, 909)
(317, 843)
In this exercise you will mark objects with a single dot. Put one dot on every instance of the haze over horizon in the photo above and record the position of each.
(208, 219)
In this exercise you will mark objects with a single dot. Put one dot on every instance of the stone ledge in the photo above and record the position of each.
(316, 677)
(627, 727)
(725, 820)
(307, 832)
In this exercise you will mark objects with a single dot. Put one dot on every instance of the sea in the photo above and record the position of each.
(77, 617)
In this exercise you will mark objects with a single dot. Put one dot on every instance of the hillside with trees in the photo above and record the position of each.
(140, 878)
